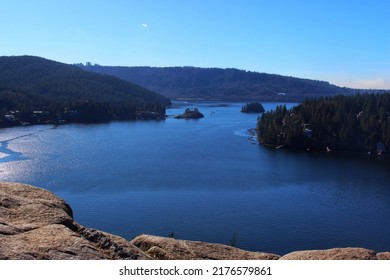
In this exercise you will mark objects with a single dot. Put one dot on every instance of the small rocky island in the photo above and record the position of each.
(192, 113)
(254, 107)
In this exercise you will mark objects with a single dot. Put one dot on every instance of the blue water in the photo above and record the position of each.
(204, 180)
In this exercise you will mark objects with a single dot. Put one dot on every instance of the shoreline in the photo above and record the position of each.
(337, 153)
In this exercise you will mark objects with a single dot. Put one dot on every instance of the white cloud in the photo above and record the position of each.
(144, 25)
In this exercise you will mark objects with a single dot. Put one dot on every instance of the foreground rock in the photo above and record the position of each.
(333, 254)
(171, 249)
(36, 224)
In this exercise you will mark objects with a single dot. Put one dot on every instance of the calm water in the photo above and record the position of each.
(204, 180)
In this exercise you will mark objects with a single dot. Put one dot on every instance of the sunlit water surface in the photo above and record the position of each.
(204, 180)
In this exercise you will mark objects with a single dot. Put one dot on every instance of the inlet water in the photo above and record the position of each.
(204, 180)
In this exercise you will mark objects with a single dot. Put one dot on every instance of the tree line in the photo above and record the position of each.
(221, 84)
(32, 84)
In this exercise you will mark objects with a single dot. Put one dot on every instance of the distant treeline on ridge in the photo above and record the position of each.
(220, 84)
(34, 89)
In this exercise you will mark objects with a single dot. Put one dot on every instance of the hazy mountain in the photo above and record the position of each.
(32, 83)
(222, 84)
(55, 79)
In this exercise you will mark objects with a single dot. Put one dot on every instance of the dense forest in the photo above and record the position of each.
(220, 84)
(34, 89)
(341, 123)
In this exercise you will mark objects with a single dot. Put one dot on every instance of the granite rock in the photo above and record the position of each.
(164, 248)
(36, 224)
(333, 254)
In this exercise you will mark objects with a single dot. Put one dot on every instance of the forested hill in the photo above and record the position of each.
(30, 83)
(359, 123)
(220, 84)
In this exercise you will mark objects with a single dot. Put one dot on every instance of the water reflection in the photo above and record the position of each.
(205, 181)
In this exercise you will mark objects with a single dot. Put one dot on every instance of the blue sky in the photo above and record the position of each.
(344, 42)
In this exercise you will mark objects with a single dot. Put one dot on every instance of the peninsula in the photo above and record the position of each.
(358, 123)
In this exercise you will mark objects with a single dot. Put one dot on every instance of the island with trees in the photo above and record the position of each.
(254, 107)
(36, 90)
(359, 123)
(190, 114)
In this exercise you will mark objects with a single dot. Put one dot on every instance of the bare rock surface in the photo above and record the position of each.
(383, 256)
(36, 224)
(333, 254)
(173, 249)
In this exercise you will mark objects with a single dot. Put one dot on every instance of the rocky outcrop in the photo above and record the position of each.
(383, 256)
(171, 249)
(36, 224)
(333, 254)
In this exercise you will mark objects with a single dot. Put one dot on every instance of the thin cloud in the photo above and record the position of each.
(143, 26)
(378, 83)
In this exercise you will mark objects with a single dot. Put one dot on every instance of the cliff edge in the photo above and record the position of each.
(36, 224)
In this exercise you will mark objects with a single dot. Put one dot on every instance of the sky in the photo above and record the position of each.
(345, 42)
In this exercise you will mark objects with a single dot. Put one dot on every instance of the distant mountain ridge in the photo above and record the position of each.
(52, 78)
(29, 83)
(220, 84)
